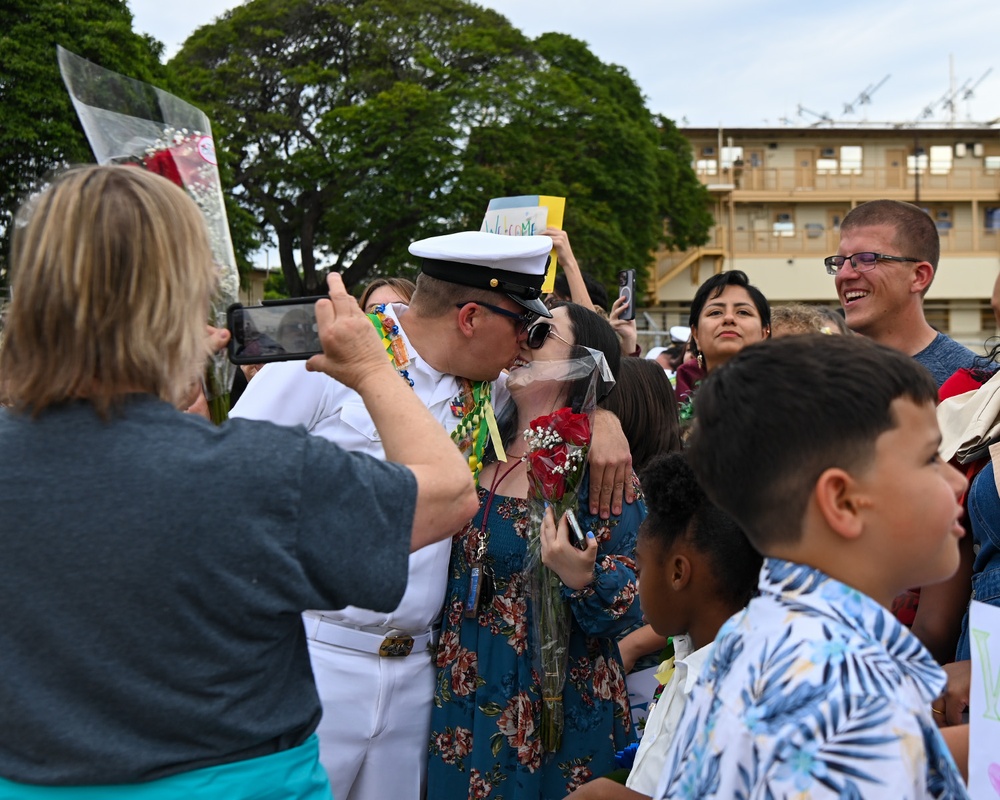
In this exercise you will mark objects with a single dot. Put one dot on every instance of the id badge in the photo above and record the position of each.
(475, 586)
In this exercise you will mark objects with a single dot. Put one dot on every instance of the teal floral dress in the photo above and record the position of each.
(487, 703)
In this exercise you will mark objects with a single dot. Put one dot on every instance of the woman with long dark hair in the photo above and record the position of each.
(485, 727)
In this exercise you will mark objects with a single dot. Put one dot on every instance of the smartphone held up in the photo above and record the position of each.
(277, 330)
(626, 289)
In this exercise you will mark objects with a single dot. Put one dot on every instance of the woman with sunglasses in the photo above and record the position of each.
(487, 716)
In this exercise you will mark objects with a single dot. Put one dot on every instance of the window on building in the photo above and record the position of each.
(826, 166)
(992, 162)
(941, 156)
(916, 163)
(730, 155)
(850, 160)
(706, 166)
(783, 225)
(943, 217)
(987, 320)
(991, 219)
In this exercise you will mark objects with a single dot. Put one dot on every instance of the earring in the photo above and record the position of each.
(701, 361)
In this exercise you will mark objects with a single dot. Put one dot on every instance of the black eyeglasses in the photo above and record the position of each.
(862, 262)
(523, 320)
(539, 332)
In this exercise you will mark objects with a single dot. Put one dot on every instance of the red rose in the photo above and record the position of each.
(573, 428)
(163, 163)
(548, 484)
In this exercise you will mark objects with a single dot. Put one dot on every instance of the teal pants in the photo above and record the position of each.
(291, 775)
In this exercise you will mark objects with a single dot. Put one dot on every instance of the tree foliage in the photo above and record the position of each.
(352, 127)
(39, 130)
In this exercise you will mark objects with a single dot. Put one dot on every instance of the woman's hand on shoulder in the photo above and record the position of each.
(574, 567)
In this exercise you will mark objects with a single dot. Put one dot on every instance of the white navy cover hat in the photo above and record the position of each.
(656, 351)
(514, 265)
(679, 333)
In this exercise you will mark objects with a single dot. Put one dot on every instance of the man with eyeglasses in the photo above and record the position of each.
(887, 258)
(476, 297)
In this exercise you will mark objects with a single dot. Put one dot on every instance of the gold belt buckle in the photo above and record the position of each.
(396, 646)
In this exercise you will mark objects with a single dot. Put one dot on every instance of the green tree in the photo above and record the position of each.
(342, 121)
(684, 199)
(352, 127)
(583, 131)
(39, 130)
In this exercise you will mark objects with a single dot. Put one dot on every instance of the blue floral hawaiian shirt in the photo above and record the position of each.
(814, 691)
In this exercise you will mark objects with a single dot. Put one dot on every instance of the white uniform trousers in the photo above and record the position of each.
(376, 721)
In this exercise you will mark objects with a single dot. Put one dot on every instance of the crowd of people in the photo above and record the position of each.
(340, 590)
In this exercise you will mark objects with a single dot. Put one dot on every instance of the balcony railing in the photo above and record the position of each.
(816, 240)
(823, 242)
(870, 179)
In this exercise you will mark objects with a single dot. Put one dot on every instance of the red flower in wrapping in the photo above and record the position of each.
(163, 163)
(572, 428)
(547, 466)
(549, 484)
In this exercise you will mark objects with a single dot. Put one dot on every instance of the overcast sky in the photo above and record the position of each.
(738, 63)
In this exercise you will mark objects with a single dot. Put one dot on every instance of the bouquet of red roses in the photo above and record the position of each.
(130, 122)
(556, 459)
(558, 446)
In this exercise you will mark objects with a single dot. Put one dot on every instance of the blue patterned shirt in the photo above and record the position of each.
(814, 691)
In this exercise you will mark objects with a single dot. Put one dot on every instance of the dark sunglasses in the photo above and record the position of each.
(539, 332)
(523, 320)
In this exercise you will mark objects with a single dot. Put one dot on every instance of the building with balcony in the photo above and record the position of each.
(779, 195)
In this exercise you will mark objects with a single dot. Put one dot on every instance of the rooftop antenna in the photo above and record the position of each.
(969, 93)
(943, 101)
(948, 100)
(864, 97)
(820, 118)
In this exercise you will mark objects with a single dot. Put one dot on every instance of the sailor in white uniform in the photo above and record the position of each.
(476, 296)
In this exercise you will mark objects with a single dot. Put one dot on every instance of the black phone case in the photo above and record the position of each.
(253, 358)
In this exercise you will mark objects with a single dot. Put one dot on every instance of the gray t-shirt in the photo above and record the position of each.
(153, 573)
(943, 357)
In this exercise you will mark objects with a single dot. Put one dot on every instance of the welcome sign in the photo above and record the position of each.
(526, 215)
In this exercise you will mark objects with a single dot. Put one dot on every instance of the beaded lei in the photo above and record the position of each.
(477, 423)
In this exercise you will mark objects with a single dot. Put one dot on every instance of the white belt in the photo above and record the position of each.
(384, 642)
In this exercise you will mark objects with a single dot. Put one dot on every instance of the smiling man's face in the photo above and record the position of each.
(872, 299)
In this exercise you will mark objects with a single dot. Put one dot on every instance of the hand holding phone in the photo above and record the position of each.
(277, 330)
(576, 537)
(626, 289)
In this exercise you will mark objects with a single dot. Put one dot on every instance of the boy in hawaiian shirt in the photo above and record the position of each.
(825, 450)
